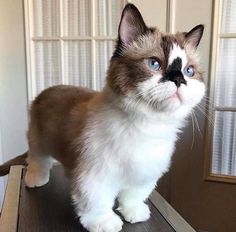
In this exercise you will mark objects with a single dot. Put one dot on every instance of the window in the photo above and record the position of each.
(222, 163)
(69, 41)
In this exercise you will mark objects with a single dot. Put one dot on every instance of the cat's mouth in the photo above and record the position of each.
(175, 96)
(159, 100)
(172, 101)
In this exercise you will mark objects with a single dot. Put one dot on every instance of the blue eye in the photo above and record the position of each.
(189, 71)
(153, 64)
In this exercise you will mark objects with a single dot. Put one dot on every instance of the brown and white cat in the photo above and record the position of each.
(118, 142)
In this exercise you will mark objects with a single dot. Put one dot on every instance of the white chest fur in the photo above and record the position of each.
(131, 150)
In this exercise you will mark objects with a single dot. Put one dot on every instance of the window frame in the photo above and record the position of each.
(216, 36)
(30, 38)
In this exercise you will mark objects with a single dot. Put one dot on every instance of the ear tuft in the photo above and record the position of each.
(194, 36)
(131, 25)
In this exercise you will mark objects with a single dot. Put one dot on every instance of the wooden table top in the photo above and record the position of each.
(49, 209)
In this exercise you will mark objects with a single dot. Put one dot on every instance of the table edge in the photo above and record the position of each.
(169, 213)
(9, 213)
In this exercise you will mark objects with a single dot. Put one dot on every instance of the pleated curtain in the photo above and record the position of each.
(70, 42)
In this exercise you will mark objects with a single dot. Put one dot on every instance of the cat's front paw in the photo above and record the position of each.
(133, 214)
(109, 223)
(36, 178)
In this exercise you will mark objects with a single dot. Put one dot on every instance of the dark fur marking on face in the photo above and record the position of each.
(166, 44)
(131, 72)
(176, 65)
(174, 73)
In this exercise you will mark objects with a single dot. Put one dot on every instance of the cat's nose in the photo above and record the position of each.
(178, 80)
(177, 77)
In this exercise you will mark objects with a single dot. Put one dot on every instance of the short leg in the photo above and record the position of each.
(93, 203)
(132, 203)
(38, 170)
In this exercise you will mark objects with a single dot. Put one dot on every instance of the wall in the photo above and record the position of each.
(155, 13)
(13, 98)
(1, 179)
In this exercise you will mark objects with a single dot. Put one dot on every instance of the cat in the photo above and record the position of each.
(116, 144)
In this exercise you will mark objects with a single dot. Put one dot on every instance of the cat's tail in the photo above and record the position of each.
(19, 160)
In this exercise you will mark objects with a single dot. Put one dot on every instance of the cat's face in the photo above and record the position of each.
(156, 69)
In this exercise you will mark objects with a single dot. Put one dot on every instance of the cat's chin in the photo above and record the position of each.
(169, 105)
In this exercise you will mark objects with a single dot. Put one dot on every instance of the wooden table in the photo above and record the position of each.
(48, 209)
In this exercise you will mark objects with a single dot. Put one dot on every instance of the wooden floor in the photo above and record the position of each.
(48, 209)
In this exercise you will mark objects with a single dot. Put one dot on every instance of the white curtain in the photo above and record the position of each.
(70, 44)
(224, 144)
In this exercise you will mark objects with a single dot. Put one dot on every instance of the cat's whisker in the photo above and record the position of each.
(208, 112)
(207, 108)
(207, 102)
(210, 119)
(207, 97)
(193, 131)
(197, 124)
(136, 99)
(207, 116)
(148, 91)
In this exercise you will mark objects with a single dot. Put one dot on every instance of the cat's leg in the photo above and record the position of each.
(93, 202)
(132, 202)
(38, 169)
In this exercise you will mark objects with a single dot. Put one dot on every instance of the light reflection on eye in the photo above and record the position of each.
(189, 71)
(153, 64)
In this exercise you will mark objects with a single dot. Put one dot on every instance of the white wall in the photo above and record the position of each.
(13, 90)
(1, 179)
(154, 12)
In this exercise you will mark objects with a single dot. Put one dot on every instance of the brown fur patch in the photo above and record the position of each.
(58, 117)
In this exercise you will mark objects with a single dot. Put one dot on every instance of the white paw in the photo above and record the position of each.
(36, 178)
(133, 214)
(110, 223)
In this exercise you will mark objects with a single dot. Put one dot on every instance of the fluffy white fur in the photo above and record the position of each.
(133, 153)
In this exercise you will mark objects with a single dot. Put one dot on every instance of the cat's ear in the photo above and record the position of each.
(131, 25)
(194, 36)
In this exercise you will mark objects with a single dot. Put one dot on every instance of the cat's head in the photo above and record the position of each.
(155, 69)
